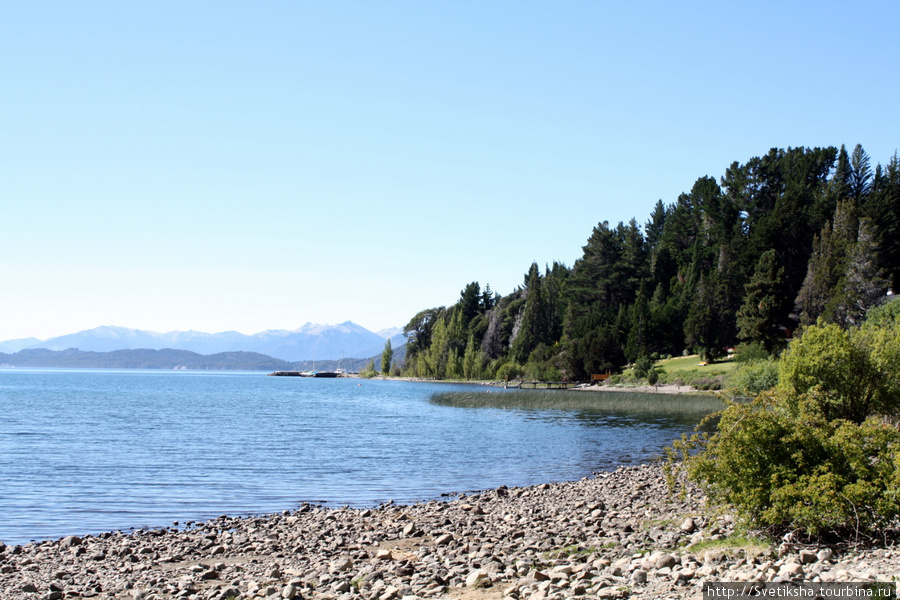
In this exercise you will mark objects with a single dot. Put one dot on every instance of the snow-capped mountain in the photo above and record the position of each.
(309, 342)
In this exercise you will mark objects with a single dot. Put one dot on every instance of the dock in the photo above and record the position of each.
(307, 374)
(543, 385)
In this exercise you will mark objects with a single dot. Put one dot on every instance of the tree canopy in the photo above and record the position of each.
(776, 243)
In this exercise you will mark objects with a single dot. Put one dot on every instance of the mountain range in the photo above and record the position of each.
(309, 342)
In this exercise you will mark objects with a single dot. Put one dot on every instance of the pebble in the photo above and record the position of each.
(608, 536)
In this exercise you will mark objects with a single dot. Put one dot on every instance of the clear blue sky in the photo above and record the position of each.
(256, 165)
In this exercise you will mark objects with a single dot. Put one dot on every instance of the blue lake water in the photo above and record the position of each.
(86, 451)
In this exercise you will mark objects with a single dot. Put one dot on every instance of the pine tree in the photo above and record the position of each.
(840, 187)
(638, 343)
(860, 174)
(469, 302)
(757, 319)
(533, 329)
(653, 229)
(827, 265)
(705, 328)
(863, 285)
(883, 208)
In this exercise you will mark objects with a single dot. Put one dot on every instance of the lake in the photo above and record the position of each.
(87, 451)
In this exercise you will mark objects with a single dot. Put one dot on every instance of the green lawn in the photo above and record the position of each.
(692, 363)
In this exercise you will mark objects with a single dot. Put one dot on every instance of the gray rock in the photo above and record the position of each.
(664, 561)
(344, 563)
(478, 578)
(808, 557)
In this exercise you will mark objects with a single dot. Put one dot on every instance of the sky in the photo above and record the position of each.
(236, 165)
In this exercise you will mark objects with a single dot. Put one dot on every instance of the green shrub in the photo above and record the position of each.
(369, 370)
(750, 351)
(702, 380)
(755, 376)
(509, 371)
(642, 366)
(787, 469)
(708, 383)
(816, 453)
(857, 371)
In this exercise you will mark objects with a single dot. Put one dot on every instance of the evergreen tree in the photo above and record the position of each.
(470, 300)
(708, 259)
(705, 328)
(840, 187)
(863, 285)
(860, 175)
(638, 343)
(818, 296)
(757, 319)
(818, 285)
(665, 332)
(553, 288)
(533, 329)
(883, 209)
(653, 229)
(487, 298)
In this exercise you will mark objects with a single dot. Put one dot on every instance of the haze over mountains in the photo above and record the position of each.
(310, 342)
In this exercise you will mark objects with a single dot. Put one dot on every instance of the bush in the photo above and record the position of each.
(642, 366)
(755, 376)
(369, 370)
(750, 351)
(786, 470)
(857, 371)
(815, 453)
(708, 383)
(509, 371)
(702, 380)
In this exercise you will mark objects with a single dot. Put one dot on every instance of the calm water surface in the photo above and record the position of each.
(86, 451)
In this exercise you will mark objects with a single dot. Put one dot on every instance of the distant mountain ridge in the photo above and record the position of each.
(312, 341)
(144, 359)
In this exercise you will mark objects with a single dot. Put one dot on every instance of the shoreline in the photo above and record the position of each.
(617, 534)
(667, 388)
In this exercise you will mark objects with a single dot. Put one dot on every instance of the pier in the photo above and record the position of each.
(542, 385)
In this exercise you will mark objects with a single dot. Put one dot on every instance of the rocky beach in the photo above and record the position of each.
(617, 534)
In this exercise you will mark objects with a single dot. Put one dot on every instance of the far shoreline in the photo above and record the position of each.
(667, 388)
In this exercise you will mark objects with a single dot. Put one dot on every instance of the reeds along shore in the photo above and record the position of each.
(615, 535)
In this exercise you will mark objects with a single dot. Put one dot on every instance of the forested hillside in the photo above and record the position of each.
(773, 244)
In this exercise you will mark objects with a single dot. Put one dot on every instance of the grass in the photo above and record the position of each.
(565, 551)
(684, 370)
(686, 364)
(612, 402)
(732, 544)
(649, 524)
